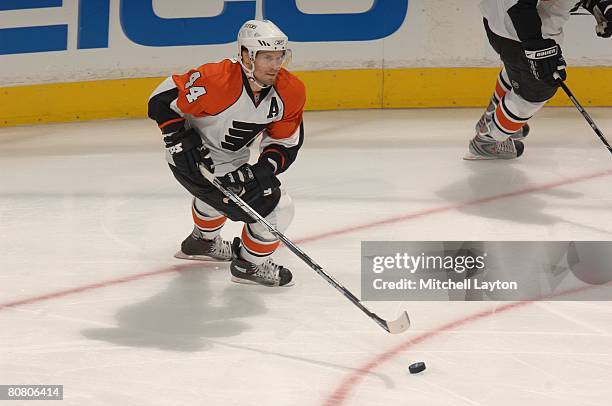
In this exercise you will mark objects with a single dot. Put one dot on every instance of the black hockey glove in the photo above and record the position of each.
(545, 59)
(602, 11)
(251, 182)
(603, 14)
(187, 151)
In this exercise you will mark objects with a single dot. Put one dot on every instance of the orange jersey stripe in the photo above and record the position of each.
(279, 153)
(258, 247)
(175, 120)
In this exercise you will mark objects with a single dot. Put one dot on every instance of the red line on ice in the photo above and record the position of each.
(333, 233)
(441, 209)
(343, 390)
(92, 286)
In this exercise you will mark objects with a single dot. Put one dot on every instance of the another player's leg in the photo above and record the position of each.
(205, 242)
(253, 263)
(502, 86)
(518, 96)
(498, 137)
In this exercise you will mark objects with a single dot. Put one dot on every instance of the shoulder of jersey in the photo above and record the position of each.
(222, 82)
(290, 87)
(220, 72)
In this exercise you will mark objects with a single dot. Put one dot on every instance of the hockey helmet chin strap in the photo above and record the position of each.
(250, 74)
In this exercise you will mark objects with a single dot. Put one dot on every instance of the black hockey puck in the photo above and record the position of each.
(416, 367)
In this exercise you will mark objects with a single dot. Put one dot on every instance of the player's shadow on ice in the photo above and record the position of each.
(186, 312)
(500, 190)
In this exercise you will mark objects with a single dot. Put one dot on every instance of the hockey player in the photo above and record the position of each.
(211, 115)
(527, 34)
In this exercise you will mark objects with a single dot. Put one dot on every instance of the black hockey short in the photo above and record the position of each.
(517, 66)
(210, 195)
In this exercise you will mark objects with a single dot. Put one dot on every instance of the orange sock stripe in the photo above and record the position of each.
(500, 90)
(506, 122)
(258, 247)
(212, 223)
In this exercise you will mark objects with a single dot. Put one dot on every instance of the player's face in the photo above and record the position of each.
(267, 66)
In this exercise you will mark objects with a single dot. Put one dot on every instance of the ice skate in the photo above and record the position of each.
(196, 248)
(485, 147)
(267, 274)
(486, 119)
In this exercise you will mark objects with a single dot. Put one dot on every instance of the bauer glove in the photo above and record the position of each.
(545, 59)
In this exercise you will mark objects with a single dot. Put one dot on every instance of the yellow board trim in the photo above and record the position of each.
(326, 90)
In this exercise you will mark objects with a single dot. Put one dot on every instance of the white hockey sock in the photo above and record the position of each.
(511, 115)
(208, 221)
(255, 249)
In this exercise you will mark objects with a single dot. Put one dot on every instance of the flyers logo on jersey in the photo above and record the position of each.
(241, 134)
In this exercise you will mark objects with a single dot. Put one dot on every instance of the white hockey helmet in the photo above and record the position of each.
(261, 35)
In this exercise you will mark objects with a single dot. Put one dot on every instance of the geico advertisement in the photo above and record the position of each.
(54, 40)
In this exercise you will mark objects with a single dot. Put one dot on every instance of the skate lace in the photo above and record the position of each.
(506, 147)
(221, 248)
(269, 270)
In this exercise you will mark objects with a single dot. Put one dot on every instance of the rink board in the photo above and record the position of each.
(327, 90)
(68, 61)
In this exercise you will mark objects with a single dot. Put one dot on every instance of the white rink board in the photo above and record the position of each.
(434, 33)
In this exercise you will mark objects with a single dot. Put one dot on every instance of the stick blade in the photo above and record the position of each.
(399, 325)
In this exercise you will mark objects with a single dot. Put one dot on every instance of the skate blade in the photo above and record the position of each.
(472, 157)
(250, 282)
(201, 258)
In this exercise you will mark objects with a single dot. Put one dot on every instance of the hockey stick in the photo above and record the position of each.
(584, 113)
(399, 325)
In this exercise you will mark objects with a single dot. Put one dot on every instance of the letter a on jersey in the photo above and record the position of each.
(273, 108)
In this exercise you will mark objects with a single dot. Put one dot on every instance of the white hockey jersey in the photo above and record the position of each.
(216, 100)
(553, 13)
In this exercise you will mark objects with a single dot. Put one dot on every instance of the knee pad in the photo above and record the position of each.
(205, 208)
(280, 218)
